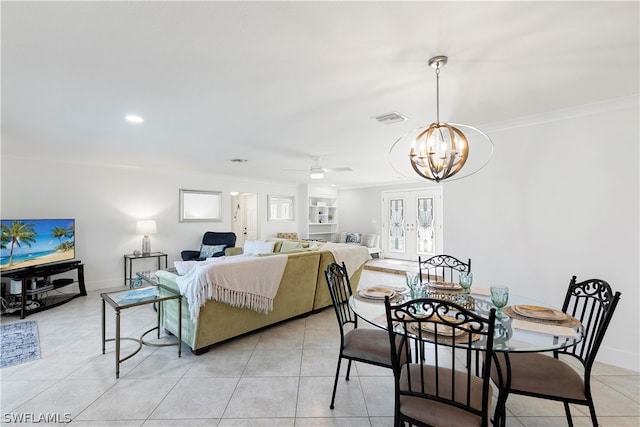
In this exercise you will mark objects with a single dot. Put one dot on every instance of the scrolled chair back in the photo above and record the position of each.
(592, 302)
(444, 378)
(442, 267)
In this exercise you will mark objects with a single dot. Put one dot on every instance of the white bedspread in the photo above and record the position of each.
(353, 256)
(241, 281)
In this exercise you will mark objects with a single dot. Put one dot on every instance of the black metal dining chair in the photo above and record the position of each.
(442, 267)
(547, 377)
(356, 344)
(441, 388)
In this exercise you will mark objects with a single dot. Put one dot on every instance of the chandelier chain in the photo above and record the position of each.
(438, 94)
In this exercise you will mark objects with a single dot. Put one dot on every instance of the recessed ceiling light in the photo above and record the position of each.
(132, 118)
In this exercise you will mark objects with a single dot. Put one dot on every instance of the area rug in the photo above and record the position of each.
(19, 343)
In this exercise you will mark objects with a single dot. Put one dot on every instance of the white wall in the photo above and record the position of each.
(360, 211)
(558, 199)
(107, 201)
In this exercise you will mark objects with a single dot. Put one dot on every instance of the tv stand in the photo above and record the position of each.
(38, 291)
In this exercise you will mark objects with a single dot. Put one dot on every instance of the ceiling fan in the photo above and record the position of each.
(317, 171)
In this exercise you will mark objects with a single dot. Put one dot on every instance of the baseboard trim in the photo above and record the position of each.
(619, 358)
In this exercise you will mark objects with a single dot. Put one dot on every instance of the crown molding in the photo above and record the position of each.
(586, 110)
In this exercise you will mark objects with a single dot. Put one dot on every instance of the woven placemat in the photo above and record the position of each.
(447, 339)
(396, 298)
(570, 321)
(439, 285)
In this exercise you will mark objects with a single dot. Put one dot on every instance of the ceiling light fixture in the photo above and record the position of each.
(132, 118)
(440, 150)
(316, 173)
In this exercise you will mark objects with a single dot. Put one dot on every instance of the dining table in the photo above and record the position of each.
(527, 325)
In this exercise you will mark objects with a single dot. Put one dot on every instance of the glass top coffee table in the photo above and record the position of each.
(122, 300)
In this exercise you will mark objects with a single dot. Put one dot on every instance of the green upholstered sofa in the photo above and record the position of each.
(302, 290)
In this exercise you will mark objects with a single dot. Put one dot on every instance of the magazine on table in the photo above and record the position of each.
(137, 295)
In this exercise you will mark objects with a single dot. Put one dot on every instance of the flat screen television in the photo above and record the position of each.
(29, 243)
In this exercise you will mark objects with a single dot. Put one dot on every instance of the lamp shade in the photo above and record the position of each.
(146, 227)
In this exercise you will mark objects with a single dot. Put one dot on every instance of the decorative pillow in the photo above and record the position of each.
(289, 246)
(207, 251)
(290, 236)
(232, 251)
(342, 238)
(353, 238)
(369, 240)
(277, 245)
(255, 247)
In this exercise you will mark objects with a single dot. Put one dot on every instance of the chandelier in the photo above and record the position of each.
(440, 150)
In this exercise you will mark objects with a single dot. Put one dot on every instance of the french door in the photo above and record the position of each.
(412, 223)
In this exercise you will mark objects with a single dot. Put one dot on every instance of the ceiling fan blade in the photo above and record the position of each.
(337, 169)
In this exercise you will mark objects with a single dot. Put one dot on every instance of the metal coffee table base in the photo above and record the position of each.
(113, 301)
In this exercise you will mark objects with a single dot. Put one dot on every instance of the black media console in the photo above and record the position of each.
(35, 289)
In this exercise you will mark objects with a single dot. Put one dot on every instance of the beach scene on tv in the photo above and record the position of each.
(28, 243)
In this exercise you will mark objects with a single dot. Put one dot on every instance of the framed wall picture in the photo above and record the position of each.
(200, 206)
(280, 208)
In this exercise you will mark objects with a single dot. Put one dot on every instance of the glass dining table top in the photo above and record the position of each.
(511, 334)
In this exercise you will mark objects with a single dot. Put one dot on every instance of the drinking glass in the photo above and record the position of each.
(465, 281)
(412, 278)
(416, 289)
(499, 298)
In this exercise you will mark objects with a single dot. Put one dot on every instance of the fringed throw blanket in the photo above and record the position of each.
(353, 256)
(241, 281)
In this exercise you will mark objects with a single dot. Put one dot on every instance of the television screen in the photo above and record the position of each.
(33, 242)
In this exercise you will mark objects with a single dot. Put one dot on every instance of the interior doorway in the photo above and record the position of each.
(244, 217)
(412, 223)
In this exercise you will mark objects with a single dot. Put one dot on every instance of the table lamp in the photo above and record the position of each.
(146, 227)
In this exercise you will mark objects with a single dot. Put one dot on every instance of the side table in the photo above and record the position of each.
(129, 258)
(121, 300)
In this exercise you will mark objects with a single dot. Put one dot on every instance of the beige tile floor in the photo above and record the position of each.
(281, 376)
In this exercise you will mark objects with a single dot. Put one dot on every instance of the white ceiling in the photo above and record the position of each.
(278, 82)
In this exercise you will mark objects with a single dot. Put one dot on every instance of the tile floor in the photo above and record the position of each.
(281, 376)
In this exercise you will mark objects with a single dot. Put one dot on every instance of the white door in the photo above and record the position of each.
(250, 220)
(412, 223)
(244, 215)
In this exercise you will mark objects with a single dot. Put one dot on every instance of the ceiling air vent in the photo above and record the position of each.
(390, 118)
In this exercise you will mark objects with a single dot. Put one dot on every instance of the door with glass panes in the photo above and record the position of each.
(412, 224)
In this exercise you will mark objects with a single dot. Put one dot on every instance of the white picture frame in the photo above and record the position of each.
(200, 206)
(280, 208)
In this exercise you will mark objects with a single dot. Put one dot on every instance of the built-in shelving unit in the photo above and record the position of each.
(322, 213)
